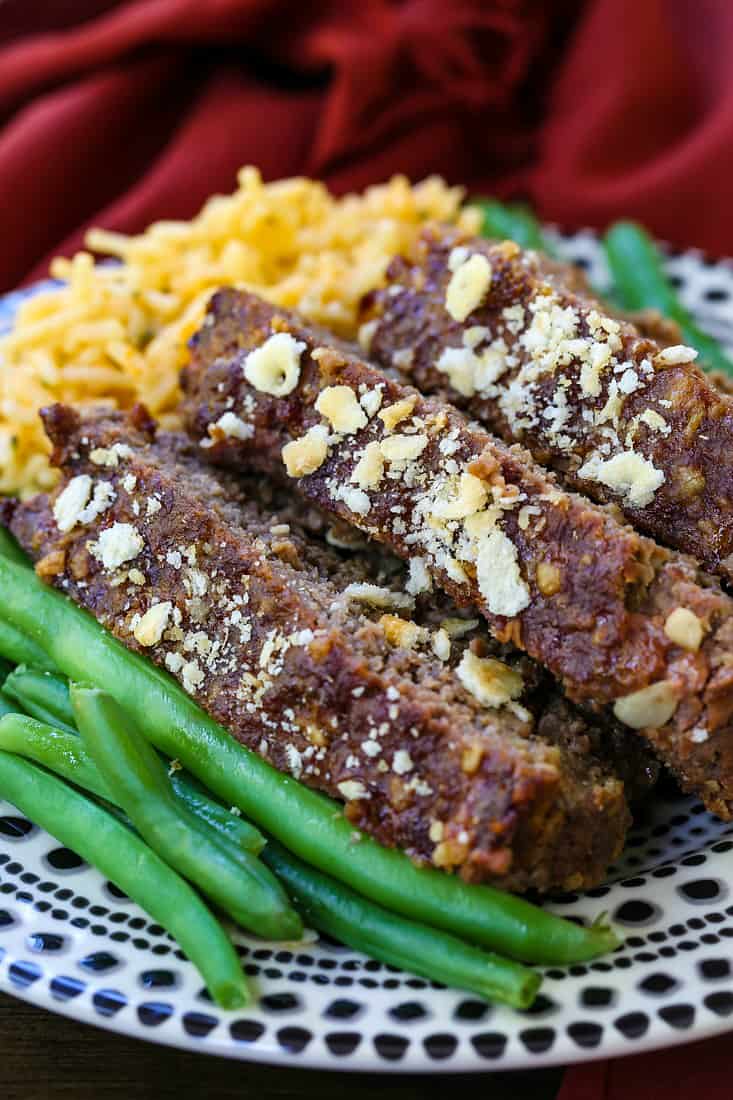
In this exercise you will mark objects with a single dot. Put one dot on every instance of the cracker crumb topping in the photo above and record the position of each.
(629, 473)
(419, 579)
(148, 630)
(402, 762)
(371, 400)
(71, 501)
(356, 500)
(341, 408)
(377, 596)
(470, 371)
(471, 496)
(490, 681)
(650, 707)
(367, 473)
(457, 257)
(655, 421)
(684, 629)
(672, 356)
(499, 579)
(468, 286)
(394, 414)
(305, 455)
(398, 450)
(365, 335)
(230, 426)
(402, 632)
(110, 456)
(192, 676)
(441, 644)
(82, 501)
(274, 367)
(116, 544)
(352, 789)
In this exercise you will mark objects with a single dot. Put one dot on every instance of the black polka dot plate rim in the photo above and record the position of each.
(71, 943)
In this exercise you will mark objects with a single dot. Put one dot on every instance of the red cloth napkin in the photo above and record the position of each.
(698, 1071)
(117, 113)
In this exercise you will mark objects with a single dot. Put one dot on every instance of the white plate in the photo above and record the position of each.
(71, 944)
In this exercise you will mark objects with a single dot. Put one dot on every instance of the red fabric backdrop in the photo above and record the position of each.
(117, 113)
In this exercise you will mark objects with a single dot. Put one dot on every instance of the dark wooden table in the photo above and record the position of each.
(46, 1057)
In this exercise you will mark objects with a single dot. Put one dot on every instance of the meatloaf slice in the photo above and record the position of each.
(435, 623)
(617, 619)
(352, 559)
(623, 417)
(300, 669)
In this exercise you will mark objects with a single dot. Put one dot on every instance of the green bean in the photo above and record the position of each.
(309, 824)
(55, 749)
(326, 904)
(638, 273)
(10, 548)
(339, 911)
(6, 668)
(237, 881)
(7, 706)
(46, 697)
(42, 695)
(126, 860)
(233, 826)
(49, 688)
(515, 222)
(63, 752)
(17, 647)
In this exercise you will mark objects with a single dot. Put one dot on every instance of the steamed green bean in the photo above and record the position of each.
(641, 283)
(126, 860)
(236, 880)
(312, 826)
(339, 911)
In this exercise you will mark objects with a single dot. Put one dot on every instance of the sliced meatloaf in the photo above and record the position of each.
(435, 624)
(622, 416)
(262, 630)
(351, 558)
(617, 619)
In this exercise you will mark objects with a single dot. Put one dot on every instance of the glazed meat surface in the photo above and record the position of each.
(617, 619)
(301, 659)
(623, 417)
(356, 559)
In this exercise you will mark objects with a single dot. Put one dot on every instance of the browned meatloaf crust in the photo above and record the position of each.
(616, 618)
(351, 558)
(254, 628)
(622, 417)
(584, 736)
(322, 544)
